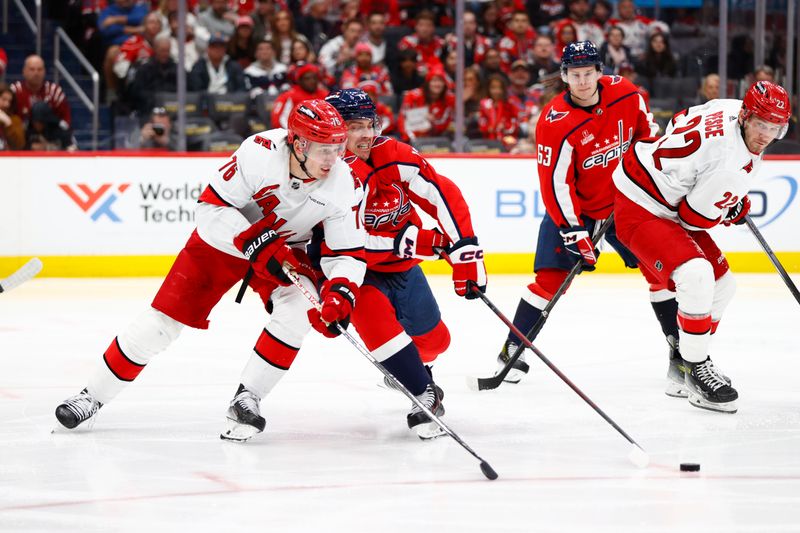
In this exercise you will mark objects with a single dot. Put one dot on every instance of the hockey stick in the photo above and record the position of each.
(479, 384)
(637, 455)
(25, 272)
(486, 469)
(772, 257)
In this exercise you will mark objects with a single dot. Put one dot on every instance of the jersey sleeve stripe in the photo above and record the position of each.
(210, 196)
(693, 218)
(431, 196)
(561, 190)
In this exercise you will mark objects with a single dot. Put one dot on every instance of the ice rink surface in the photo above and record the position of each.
(336, 455)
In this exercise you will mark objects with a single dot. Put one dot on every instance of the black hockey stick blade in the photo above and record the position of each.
(773, 258)
(488, 471)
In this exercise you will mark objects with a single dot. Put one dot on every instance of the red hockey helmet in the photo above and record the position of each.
(769, 102)
(317, 121)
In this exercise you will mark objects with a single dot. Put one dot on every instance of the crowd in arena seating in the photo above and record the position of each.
(248, 62)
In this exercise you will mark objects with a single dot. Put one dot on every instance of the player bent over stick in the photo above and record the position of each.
(257, 212)
(581, 137)
(675, 188)
(397, 316)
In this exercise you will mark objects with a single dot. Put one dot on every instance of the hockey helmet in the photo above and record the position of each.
(355, 104)
(580, 54)
(769, 102)
(319, 127)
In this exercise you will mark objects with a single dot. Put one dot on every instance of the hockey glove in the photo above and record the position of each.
(737, 213)
(468, 269)
(418, 243)
(338, 297)
(577, 241)
(267, 251)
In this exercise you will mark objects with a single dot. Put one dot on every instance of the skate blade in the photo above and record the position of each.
(699, 401)
(676, 390)
(237, 432)
(429, 431)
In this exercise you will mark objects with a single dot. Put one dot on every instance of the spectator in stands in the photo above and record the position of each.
(120, 20)
(217, 73)
(475, 44)
(489, 25)
(136, 50)
(636, 28)
(425, 42)
(157, 133)
(348, 10)
(564, 33)
(659, 62)
(241, 46)
(265, 74)
(587, 30)
(376, 28)
(427, 111)
(34, 88)
(338, 53)
(307, 88)
(545, 12)
(3, 64)
(192, 50)
(627, 71)
(315, 25)
(474, 92)
(601, 13)
(46, 132)
(168, 9)
(542, 54)
(764, 73)
(613, 53)
(499, 118)
(391, 8)
(517, 42)
(365, 70)
(302, 52)
(158, 74)
(491, 64)
(740, 62)
(262, 19)
(406, 77)
(520, 92)
(283, 35)
(709, 89)
(12, 130)
(218, 19)
(388, 119)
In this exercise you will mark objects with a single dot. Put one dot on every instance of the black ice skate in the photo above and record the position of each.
(244, 417)
(390, 384)
(77, 409)
(419, 421)
(708, 388)
(520, 367)
(676, 380)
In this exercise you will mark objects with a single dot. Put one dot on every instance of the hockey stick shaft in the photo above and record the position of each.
(495, 381)
(552, 367)
(487, 470)
(23, 274)
(773, 258)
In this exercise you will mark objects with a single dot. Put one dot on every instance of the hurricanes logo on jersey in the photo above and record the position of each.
(555, 116)
(390, 206)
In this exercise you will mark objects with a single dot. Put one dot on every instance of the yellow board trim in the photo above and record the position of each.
(109, 266)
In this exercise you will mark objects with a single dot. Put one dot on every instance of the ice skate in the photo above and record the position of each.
(708, 388)
(390, 384)
(520, 367)
(419, 421)
(244, 417)
(676, 380)
(77, 409)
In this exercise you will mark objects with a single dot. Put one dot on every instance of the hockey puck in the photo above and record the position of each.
(690, 467)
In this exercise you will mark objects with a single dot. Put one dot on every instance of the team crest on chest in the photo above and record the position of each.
(555, 116)
(389, 206)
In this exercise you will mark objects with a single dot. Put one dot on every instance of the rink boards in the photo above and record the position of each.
(128, 215)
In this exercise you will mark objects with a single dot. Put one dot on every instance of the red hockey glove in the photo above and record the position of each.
(418, 243)
(578, 242)
(267, 251)
(338, 297)
(468, 269)
(737, 213)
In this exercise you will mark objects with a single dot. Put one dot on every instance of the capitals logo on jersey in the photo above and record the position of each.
(555, 116)
(609, 149)
(391, 206)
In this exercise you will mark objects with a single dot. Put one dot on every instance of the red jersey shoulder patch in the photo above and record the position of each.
(555, 116)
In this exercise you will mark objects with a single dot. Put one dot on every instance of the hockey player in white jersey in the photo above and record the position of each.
(671, 190)
(258, 212)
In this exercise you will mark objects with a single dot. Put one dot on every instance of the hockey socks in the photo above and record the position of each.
(524, 319)
(405, 365)
(667, 315)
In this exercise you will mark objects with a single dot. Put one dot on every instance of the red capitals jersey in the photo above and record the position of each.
(428, 54)
(394, 176)
(497, 120)
(579, 148)
(440, 112)
(513, 47)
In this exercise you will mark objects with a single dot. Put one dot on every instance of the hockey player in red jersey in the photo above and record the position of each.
(581, 136)
(675, 188)
(397, 315)
(258, 213)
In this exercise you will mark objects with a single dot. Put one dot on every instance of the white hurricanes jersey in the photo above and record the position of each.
(255, 183)
(696, 172)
